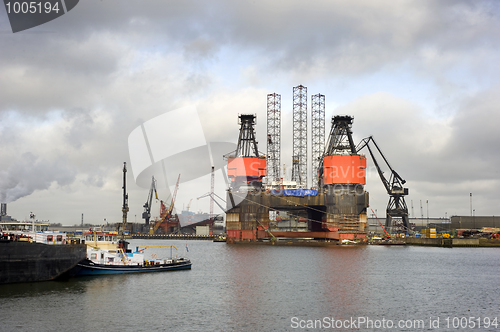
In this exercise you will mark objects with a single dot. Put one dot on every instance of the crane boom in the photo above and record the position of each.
(212, 196)
(174, 195)
(189, 204)
(166, 214)
(395, 182)
(394, 186)
(383, 228)
(146, 215)
(379, 170)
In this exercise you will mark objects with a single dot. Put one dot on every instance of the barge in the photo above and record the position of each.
(25, 260)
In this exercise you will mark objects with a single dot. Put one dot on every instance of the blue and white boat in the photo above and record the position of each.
(89, 268)
(107, 255)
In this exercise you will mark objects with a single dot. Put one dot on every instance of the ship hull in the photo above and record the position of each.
(88, 268)
(32, 262)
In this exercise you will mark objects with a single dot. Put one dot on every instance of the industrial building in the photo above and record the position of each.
(474, 222)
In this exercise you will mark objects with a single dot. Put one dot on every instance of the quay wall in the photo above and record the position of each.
(439, 242)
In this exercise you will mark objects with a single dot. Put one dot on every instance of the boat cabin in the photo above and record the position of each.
(23, 231)
(23, 226)
(101, 239)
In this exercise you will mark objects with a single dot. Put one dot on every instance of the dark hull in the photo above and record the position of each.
(87, 268)
(30, 262)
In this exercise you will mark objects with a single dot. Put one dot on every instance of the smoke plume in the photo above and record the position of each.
(32, 173)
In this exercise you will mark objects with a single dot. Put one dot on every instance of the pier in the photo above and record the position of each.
(440, 242)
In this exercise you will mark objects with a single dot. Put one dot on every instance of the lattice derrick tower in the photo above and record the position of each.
(273, 137)
(340, 140)
(247, 145)
(299, 156)
(317, 134)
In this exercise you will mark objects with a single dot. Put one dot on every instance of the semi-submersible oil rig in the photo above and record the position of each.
(333, 209)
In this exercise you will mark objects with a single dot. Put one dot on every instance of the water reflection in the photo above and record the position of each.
(270, 285)
(342, 272)
(260, 288)
(36, 289)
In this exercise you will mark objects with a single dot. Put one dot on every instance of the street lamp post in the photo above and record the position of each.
(427, 202)
(474, 217)
(471, 204)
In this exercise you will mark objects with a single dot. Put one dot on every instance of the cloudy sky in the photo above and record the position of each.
(422, 77)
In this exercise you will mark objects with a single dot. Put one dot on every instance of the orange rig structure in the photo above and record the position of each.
(247, 165)
(260, 212)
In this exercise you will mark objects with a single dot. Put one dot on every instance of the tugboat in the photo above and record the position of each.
(108, 255)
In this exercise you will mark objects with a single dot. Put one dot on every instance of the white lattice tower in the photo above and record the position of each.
(273, 137)
(299, 164)
(317, 134)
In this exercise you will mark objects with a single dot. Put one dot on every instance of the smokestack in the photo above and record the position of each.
(3, 211)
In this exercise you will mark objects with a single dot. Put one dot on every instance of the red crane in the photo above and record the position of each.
(386, 234)
(166, 214)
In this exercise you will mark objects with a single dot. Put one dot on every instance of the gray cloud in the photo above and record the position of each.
(32, 173)
(72, 90)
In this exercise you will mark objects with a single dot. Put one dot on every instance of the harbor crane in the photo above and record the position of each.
(165, 214)
(189, 205)
(212, 196)
(146, 215)
(396, 208)
(125, 201)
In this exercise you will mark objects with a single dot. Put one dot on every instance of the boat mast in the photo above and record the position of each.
(125, 200)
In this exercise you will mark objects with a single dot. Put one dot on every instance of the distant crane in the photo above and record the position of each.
(397, 206)
(212, 187)
(189, 205)
(383, 228)
(125, 201)
(146, 215)
(165, 214)
(171, 208)
(211, 194)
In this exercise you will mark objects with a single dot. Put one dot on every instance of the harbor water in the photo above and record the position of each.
(274, 288)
